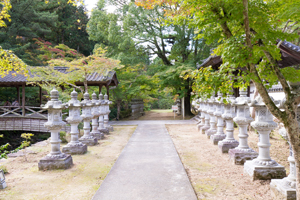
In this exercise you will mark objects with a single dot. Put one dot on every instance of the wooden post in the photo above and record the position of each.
(100, 87)
(18, 94)
(40, 95)
(23, 99)
(107, 89)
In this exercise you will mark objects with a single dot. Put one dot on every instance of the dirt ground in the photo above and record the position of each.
(161, 115)
(81, 181)
(213, 175)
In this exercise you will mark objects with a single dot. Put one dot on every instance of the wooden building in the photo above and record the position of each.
(290, 56)
(31, 118)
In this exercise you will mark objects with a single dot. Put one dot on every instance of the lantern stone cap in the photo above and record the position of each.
(258, 102)
(219, 98)
(74, 102)
(241, 101)
(86, 100)
(54, 103)
(95, 100)
(106, 97)
(211, 100)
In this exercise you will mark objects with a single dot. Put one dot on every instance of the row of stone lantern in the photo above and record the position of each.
(91, 111)
(258, 165)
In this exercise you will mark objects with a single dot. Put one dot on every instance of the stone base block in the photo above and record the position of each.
(98, 135)
(110, 128)
(239, 156)
(210, 132)
(3, 185)
(199, 126)
(216, 138)
(281, 189)
(79, 148)
(204, 129)
(225, 145)
(264, 172)
(62, 161)
(89, 141)
(104, 130)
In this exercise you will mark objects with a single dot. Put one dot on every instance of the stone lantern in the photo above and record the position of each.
(211, 111)
(74, 146)
(229, 142)
(286, 188)
(220, 135)
(107, 111)
(202, 115)
(55, 159)
(102, 113)
(197, 109)
(206, 117)
(87, 116)
(243, 152)
(96, 113)
(263, 167)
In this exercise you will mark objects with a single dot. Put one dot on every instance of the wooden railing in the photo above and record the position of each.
(24, 112)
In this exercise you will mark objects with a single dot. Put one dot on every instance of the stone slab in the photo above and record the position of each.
(75, 150)
(264, 172)
(225, 146)
(99, 135)
(104, 130)
(239, 157)
(216, 138)
(210, 132)
(3, 185)
(281, 191)
(92, 141)
(148, 168)
(55, 163)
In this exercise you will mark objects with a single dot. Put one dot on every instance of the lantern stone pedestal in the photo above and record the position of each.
(96, 113)
(206, 125)
(286, 188)
(229, 142)
(101, 128)
(220, 135)
(263, 167)
(87, 116)
(243, 152)
(74, 146)
(202, 117)
(55, 159)
(106, 118)
(212, 119)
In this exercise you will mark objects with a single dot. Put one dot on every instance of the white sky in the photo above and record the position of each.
(90, 4)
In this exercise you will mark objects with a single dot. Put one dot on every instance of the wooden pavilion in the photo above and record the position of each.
(31, 118)
(290, 56)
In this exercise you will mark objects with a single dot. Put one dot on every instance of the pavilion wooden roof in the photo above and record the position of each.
(110, 79)
(290, 56)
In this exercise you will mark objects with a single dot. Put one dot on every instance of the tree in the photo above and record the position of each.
(135, 29)
(78, 70)
(247, 33)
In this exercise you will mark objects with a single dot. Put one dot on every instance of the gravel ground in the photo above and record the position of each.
(212, 174)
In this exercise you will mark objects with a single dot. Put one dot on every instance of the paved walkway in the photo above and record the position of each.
(148, 168)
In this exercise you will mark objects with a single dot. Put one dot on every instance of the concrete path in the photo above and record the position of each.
(148, 168)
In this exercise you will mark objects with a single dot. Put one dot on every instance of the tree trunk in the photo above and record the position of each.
(119, 109)
(187, 99)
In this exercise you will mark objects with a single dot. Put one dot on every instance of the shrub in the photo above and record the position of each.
(62, 135)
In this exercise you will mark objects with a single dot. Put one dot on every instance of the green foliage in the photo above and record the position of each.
(62, 136)
(4, 169)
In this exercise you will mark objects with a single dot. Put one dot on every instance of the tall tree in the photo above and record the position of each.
(248, 33)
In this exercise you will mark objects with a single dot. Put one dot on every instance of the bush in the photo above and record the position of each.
(62, 135)
(125, 113)
(3, 167)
